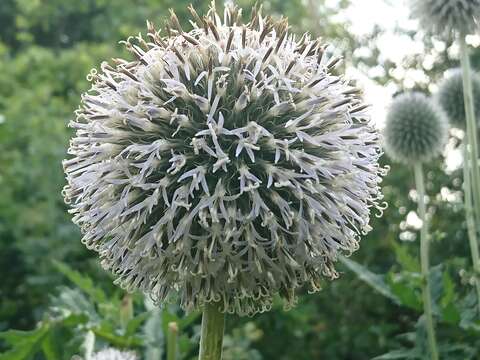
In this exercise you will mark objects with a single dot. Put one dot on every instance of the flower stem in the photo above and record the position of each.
(172, 340)
(471, 125)
(213, 323)
(470, 218)
(424, 261)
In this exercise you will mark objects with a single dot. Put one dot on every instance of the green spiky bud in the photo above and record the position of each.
(416, 129)
(450, 97)
(447, 16)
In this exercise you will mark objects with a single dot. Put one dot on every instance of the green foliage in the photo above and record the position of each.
(85, 319)
(375, 281)
(25, 343)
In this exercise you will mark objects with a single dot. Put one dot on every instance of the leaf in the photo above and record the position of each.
(406, 287)
(400, 354)
(450, 312)
(469, 312)
(408, 262)
(50, 347)
(136, 322)
(374, 280)
(107, 334)
(436, 284)
(82, 281)
(73, 302)
(448, 289)
(24, 343)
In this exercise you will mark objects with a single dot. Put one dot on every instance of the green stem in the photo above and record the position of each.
(470, 218)
(471, 125)
(172, 341)
(424, 261)
(213, 323)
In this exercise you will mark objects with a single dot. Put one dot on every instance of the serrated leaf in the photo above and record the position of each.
(400, 354)
(469, 312)
(24, 344)
(406, 288)
(107, 334)
(83, 282)
(376, 281)
(136, 322)
(448, 303)
(73, 302)
(50, 346)
(408, 262)
(436, 284)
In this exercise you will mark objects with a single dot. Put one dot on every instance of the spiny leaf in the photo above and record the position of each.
(72, 301)
(406, 286)
(24, 343)
(376, 281)
(82, 281)
(135, 322)
(408, 262)
(400, 354)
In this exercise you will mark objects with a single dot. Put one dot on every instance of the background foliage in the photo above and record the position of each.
(46, 50)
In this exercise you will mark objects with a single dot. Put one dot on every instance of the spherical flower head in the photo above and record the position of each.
(224, 164)
(445, 17)
(415, 130)
(114, 354)
(450, 97)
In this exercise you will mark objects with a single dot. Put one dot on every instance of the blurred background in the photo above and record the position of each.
(50, 281)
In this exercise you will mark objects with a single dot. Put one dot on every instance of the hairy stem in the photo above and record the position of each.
(213, 323)
(424, 261)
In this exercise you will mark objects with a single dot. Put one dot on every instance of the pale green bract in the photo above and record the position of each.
(227, 163)
(415, 130)
(450, 97)
(447, 16)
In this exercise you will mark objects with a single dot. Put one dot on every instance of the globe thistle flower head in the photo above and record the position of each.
(415, 130)
(445, 17)
(226, 163)
(450, 97)
(114, 354)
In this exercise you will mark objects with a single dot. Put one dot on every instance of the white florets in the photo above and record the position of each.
(448, 16)
(227, 163)
(114, 354)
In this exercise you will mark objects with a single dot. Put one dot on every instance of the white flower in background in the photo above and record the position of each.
(226, 163)
(447, 16)
(114, 354)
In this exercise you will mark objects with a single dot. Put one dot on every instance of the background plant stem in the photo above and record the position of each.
(424, 261)
(471, 125)
(172, 341)
(213, 323)
(470, 218)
